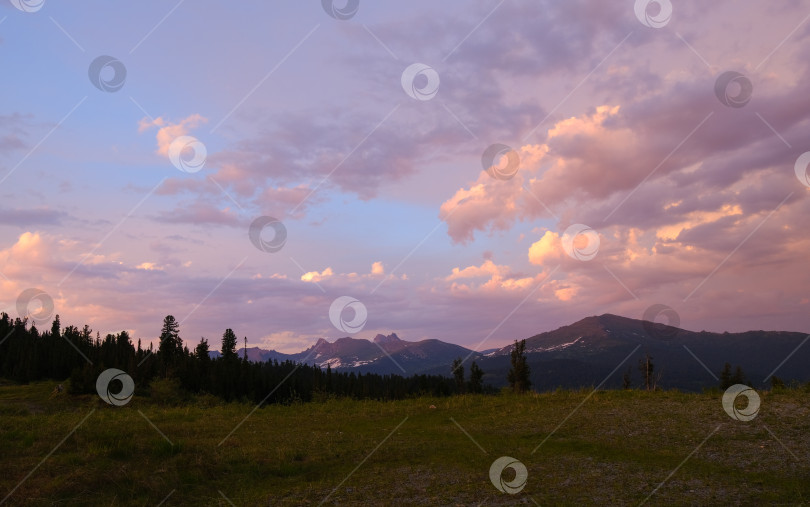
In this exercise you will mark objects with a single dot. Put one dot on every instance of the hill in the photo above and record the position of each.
(580, 354)
(585, 352)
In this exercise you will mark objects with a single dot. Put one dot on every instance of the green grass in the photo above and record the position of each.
(615, 449)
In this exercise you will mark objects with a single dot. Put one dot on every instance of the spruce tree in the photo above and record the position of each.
(201, 351)
(458, 374)
(476, 378)
(739, 376)
(56, 328)
(519, 372)
(725, 377)
(627, 379)
(646, 367)
(228, 345)
(171, 346)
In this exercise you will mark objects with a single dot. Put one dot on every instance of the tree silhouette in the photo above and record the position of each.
(725, 377)
(458, 374)
(728, 379)
(201, 351)
(627, 378)
(228, 345)
(476, 378)
(171, 346)
(739, 377)
(518, 376)
(646, 367)
(56, 328)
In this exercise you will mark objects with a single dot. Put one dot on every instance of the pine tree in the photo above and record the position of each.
(627, 379)
(171, 346)
(646, 367)
(739, 376)
(201, 351)
(228, 345)
(725, 377)
(458, 374)
(56, 327)
(518, 376)
(476, 378)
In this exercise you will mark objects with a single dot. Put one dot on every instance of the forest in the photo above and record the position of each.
(28, 354)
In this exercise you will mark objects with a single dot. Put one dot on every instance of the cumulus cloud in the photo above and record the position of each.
(491, 204)
(168, 131)
(149, 266)
(489, 277)
(548, 248)
(314, 276)
(377, 272)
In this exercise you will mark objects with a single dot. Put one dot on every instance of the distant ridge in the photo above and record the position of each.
(576, 355)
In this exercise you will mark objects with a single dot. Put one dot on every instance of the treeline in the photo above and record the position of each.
(650, 376)
(28, 354)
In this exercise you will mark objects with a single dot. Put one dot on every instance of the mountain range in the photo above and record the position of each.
(384, 354)
(596, 350)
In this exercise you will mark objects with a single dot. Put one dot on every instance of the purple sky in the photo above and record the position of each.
(642, 172)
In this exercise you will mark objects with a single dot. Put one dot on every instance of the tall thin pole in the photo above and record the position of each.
(245, 349)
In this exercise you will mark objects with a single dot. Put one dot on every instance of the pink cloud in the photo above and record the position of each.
(201, 213)
(169, 131)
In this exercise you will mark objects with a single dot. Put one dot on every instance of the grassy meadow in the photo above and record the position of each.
(616, 448)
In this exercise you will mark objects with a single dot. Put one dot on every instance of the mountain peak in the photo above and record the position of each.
(604, 321)
(320, 342)
(391, 338)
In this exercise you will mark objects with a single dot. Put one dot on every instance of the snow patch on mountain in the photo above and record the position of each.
(554, 348)
(334, 362)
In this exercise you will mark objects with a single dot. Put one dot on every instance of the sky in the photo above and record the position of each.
(472, 171)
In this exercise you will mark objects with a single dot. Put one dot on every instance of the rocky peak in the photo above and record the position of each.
(391, 338)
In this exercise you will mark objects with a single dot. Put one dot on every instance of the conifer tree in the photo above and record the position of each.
(519, 372)
(171, 346)
(725, 377)
(458, 374)
(647, 367)
(476, 378)
(228, 345)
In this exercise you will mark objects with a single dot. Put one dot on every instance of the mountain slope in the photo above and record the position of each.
(586, 352)
(596, 350)
(383, 355)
